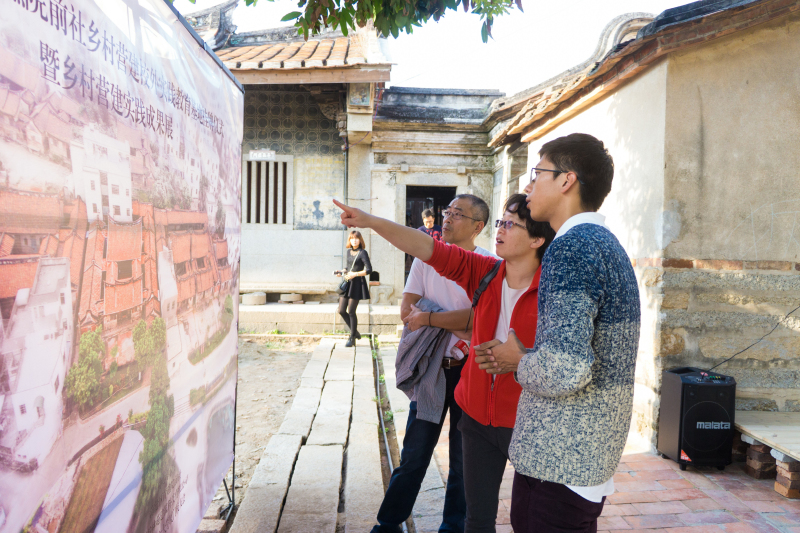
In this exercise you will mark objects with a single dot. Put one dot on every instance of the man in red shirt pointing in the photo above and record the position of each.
(510, 301)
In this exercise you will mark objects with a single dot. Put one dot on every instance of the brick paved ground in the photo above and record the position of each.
(655, 496)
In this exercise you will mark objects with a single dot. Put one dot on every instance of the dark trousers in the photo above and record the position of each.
(543, 507)
(418, 445)
(485, 456)
(347, 310)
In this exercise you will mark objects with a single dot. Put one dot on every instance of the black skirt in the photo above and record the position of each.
(358, 290)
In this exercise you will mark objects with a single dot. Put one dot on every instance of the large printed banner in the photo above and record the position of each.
(120, 155)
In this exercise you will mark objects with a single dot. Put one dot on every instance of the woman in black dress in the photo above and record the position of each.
(358, 268)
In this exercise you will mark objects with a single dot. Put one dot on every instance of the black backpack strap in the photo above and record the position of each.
(485, 283)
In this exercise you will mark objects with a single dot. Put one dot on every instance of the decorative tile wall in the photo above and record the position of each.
(287, 119)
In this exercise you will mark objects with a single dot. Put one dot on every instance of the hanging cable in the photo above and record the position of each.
(759, 340)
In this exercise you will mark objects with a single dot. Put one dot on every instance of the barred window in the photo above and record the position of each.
(267, 191)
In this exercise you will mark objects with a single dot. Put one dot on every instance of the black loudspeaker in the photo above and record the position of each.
(695, 422)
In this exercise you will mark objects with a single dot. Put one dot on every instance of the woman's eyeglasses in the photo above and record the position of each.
(507, 224)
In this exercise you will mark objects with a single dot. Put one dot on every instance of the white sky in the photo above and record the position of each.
(528, 48)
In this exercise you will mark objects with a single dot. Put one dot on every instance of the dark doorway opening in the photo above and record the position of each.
(420, 198)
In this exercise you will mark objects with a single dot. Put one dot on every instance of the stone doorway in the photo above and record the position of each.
(419, 198)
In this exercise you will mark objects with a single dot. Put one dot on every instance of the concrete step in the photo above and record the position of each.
(378, 319)
(300, 417)
(313, 499)
(306, 399)
(297, 423)
(397, 398)
(315, 369)
(332, 422)
(322, 351)
(261, 508)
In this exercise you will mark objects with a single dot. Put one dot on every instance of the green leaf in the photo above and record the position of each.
(390, 17)
(347, 19)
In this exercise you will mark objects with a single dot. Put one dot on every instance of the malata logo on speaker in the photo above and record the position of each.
(685, 457)
(713, 425)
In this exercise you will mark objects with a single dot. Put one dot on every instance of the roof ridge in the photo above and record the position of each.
(209, 10)
(627, 59)
(618, 23)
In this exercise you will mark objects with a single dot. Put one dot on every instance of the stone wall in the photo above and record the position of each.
(732, 198)
(709, 314)
(430, 137)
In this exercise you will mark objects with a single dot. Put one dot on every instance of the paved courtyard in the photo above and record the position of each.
(321, 471)
(654, 495)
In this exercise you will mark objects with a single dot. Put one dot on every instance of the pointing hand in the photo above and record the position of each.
(352, 217)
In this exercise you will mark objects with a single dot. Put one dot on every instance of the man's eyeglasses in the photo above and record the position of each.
(456, 215)
(507, 224)
(535, 171)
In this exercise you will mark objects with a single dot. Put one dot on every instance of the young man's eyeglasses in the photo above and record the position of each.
(456, 215)
(507, 224)
(535, 171)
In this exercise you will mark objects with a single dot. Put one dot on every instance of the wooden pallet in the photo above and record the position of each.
(780, 431)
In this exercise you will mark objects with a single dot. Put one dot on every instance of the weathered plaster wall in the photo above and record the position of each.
(301, 255)
(430, 137)
(318, 180)
(631, 123)
(732, 194)
(732, 157)
(280, 259)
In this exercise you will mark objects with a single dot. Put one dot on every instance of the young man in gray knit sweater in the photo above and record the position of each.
(574, 413)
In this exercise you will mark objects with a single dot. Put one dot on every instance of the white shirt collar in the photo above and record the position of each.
(588, 217)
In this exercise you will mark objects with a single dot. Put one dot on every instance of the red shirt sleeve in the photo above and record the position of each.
(464, 267)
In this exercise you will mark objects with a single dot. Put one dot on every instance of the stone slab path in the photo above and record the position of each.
(322, 471)
(313, 500)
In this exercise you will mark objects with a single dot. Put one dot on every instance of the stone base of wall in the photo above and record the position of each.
(705, 311)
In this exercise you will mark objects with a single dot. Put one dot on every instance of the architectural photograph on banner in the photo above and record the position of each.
(120, 162)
